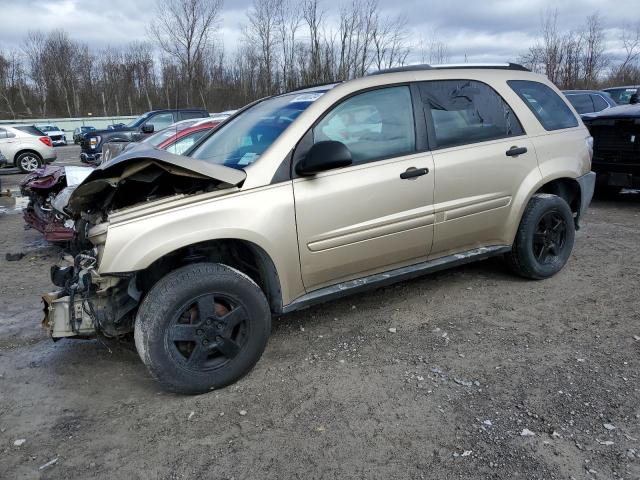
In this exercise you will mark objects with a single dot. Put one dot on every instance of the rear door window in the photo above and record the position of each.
(581, 102)
(189, 115)
(599, 103)
(550, 110)
(467, 111)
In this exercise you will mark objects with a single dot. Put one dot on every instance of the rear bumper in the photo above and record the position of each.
(587, 184)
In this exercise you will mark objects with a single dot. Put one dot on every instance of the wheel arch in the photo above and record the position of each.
(243, 255)
(566, 188)
(562, 185)
(25, 150)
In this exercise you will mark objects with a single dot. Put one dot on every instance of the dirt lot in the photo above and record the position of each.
(487, 376)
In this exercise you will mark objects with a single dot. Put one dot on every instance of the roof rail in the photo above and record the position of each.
(314, 85)
(454, 66)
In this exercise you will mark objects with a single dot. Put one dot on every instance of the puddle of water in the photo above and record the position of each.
(13, 204)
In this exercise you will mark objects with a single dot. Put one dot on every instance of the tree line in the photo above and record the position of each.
(285, 44)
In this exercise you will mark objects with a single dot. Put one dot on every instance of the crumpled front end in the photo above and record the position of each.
(89, 303)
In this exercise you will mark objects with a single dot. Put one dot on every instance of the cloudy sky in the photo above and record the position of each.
(488, 30)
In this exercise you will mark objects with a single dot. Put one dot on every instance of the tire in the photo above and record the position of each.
(544, 239)
(28, 162)
(189, 354)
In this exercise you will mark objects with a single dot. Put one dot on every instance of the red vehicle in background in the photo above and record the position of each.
(49, 188)
(180, 137)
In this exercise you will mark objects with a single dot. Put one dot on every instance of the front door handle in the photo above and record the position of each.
(515, 151)
(413, 172)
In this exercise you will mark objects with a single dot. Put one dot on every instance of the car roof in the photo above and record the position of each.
(622, 86)
(583, 91)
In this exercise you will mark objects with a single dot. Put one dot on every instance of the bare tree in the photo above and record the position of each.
(183, 29)
(594, 60)
(261, 35)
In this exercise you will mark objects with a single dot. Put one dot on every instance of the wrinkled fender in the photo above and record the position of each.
(264, 217)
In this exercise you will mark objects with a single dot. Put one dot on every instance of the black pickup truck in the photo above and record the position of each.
(616, 147)
(92, 142)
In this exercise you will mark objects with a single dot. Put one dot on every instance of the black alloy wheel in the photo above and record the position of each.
(208, 332)
(550, 237)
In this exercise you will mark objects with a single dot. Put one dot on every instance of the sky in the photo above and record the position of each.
(478, 31)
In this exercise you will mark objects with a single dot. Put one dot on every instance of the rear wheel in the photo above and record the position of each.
(202, 327)
(28, 162)
(545, 238)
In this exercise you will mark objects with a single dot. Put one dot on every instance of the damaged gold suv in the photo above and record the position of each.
(308, 196)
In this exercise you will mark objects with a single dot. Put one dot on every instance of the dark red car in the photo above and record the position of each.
(49, 188)
(179, 141)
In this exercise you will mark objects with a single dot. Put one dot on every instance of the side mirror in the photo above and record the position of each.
(147, 128)
(633, 99)
(324, 156)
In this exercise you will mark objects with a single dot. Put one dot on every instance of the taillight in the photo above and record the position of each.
(46, 141)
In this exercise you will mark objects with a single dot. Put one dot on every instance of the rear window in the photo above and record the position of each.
(550, 110)
(30, 129)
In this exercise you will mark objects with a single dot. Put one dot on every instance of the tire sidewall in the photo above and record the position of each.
(542, 206)
(169, 296)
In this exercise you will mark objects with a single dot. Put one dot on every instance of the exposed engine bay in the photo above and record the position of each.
(90, 302)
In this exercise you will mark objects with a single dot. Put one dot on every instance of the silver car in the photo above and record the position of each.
(26, 147)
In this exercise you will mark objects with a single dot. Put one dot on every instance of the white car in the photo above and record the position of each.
(26, 147)
(56, 135)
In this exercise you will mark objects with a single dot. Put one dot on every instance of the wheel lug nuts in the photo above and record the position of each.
(199, 332)
(205, 342)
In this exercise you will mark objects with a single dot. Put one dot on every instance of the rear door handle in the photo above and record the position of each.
(413, 172)
(515, 151)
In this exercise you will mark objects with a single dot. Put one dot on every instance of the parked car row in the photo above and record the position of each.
(49, 189)
(92, 142)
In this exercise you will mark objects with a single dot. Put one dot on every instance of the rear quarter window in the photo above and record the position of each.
(31, 130)
(547, 106)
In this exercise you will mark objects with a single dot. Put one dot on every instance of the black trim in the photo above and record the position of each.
(419, 120)
(382, 279)
(283, 173)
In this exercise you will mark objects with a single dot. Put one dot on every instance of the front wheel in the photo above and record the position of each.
(202, 327)
(545, 238)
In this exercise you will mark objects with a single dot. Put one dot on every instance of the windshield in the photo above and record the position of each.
(46, 128)
(621, 95)
(242, 140)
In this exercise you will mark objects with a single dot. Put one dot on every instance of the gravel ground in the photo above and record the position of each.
(486, 376)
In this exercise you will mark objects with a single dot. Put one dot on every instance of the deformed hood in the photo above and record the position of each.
(146, 173)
